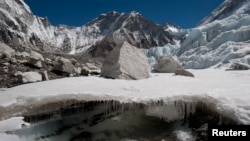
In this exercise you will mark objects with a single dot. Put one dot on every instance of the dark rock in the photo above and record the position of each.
(95, 72)
(184, 73)
(85, 71)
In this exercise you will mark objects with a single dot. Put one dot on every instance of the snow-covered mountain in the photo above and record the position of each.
(133, 28)
(222, 38)
(227, 9)
(19, 26)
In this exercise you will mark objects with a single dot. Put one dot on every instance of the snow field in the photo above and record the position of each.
(224, 91)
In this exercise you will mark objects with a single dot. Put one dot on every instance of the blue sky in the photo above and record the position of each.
(185, 13)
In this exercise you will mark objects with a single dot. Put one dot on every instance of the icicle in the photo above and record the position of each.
(220, 121)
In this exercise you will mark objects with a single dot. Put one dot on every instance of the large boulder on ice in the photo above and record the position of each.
(167, 64)
(64, 66)
(126, 62)
(36, 59)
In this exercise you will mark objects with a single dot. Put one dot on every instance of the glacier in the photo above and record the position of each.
(155, 53)
(220, 40)
(163, 96)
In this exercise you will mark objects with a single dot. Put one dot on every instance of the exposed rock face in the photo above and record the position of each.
(167, 64)
(64, 66)
(29, 77)
(184, 73)
(126, 62)
(36, 59)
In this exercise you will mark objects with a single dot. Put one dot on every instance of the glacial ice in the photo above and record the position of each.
(155, 53)
(217, 43)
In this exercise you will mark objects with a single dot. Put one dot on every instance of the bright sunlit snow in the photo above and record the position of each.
(226, 91)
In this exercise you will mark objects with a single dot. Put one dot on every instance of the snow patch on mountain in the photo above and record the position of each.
(171, 27)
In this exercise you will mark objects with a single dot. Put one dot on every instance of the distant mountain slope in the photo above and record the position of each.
(19, 26)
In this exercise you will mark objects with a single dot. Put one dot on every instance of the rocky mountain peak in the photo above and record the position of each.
(134, 14)
(133, 28)
(104, 18)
